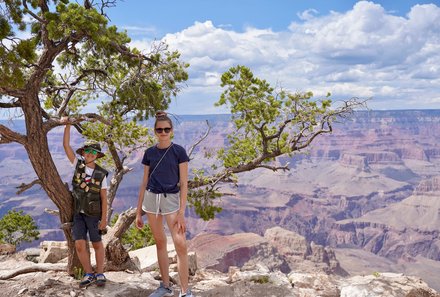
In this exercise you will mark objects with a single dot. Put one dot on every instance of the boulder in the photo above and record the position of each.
(220, 252)
(7, 249)
(53, 251)
(385, 284)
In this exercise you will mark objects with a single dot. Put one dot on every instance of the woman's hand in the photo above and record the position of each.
(139, 221)
(180, 222)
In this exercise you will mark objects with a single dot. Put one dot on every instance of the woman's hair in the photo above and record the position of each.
(161, 116)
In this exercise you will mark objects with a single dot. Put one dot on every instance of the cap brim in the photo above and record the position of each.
(80, 152)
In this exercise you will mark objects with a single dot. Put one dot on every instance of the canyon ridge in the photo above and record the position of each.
(370, 191)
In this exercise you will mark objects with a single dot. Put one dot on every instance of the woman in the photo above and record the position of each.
(163, 195)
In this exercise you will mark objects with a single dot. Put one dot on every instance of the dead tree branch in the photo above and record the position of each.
(24, 187)
(42, 267)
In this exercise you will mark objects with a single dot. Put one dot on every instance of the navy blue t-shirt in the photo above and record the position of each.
(165, 177)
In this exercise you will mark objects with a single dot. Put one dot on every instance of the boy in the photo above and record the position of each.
(90, 205)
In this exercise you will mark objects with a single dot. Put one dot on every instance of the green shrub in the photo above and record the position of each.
(16, 227)
(260, 279)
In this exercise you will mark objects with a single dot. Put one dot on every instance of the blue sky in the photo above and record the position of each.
(385, 50)
(161, 17)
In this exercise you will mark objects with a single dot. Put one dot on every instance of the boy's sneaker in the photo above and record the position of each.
(162, 291)
(88, 279)
(187, 294)
(100, 279)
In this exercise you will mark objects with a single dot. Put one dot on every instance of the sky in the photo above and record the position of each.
(388, 51)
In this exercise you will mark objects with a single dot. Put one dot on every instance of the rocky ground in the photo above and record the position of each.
(279, 264)
(250, 281)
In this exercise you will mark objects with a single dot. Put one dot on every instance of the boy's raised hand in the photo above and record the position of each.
(65, 119)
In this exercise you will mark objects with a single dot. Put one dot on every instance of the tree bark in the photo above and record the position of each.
(116, 256)
(38, 151)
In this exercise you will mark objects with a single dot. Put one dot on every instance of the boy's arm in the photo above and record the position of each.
(66, 141)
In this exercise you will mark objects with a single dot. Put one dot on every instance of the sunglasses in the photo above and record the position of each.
(91, 151)
(160, 130)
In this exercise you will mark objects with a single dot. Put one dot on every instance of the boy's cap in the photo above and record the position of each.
(91, 145)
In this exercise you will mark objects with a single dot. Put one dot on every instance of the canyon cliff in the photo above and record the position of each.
(369, 191)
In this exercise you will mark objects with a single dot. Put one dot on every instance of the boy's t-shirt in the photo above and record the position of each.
(89, 173)
(164, 176)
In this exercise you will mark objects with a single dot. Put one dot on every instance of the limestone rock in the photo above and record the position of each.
(53, 251)
(302, 255)
(385, 284)
(220, 252)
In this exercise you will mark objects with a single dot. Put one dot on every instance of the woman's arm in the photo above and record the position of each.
(144, 183)
(183, 181)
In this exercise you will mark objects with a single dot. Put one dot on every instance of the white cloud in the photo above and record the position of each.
(307, 14)
(364, 52)
(135, 31)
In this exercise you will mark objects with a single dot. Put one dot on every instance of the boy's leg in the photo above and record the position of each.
(180, 245)
(99, 256)
(84, 258)
(157, 228)
(80, 236)
(95, 238)
(83, 255)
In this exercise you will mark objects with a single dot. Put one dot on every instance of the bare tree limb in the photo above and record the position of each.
(10, 105)
(275, 168)
(24, 187)
(8, 136)
(42, 267)
(11, 92)
(31, 13)
(191, 149)
(52, 211)
(88, 117)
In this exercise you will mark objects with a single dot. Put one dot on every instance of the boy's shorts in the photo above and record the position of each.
(161, 203)
(83, 224)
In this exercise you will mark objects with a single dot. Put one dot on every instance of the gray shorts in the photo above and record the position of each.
(161, 203)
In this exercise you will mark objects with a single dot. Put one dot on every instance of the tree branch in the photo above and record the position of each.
(12, 92)
(123, 50)
(24, 187)
(275, 168)
(43, 267)
(53, 212)
(89, 117)
(13, 104)
(191, 149)
(33, 14)
(8, 136)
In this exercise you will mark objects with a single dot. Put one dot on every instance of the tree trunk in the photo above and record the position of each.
(42, 162)
(116, 256)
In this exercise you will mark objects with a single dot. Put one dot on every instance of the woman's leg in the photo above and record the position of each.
(157, 228)
(179, 239)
